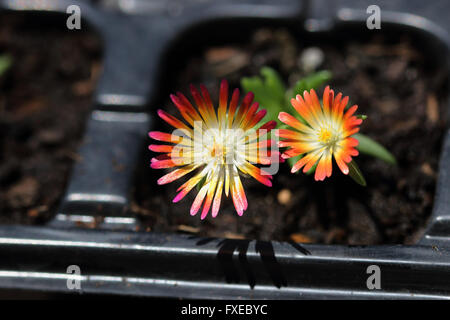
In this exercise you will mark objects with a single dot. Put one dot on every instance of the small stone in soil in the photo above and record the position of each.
(50, 137)
(300, 238)
(188, 229)
(34, 212)
(432, 109)
(310, 59)
(426, 168)
(224, 61)
(23, 193)
(231, 235)
(284, 196)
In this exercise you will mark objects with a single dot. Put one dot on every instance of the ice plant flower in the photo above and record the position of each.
(326, 132)
(216, 146)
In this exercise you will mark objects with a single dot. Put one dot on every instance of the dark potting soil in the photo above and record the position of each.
(389, 81)
(45, 97)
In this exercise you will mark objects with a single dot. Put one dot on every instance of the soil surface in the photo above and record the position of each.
(389, 80)
(45, 97)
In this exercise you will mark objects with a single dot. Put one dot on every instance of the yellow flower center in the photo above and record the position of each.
(325, 135)
(328, 137)
(222, 147)
(217, 150)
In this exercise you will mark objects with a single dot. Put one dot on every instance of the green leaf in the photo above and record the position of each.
(371, 147)
(312, 81)
(273, 83)
(268, 90)
(5, 63)
(356, 174)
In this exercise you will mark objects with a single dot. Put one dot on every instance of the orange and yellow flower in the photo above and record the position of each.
(217, 146)
(326, 132)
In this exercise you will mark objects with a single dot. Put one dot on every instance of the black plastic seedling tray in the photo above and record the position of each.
(116, 259)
